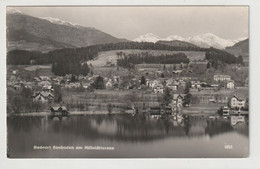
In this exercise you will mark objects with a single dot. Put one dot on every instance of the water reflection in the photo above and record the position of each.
(24, 132)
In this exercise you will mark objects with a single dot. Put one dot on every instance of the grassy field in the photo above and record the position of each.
(100, 99)
(35, 67)
(110, 56)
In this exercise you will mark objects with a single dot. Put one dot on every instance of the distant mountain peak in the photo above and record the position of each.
(149, 37)
(11, 10)
(175, 37)
(61, 22)
(202, 40)
(23, 33)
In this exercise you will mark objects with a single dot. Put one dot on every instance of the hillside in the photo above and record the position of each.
(43, 34)
(83, 54)
(178, 43)
(240, 48)
(111, 56)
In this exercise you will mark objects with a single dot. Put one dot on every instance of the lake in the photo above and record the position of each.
(124, 136)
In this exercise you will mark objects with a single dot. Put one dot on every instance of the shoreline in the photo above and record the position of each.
(74, 113)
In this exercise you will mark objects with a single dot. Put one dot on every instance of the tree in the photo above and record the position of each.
(167, 97)
(37, 106)
(240, 59)
(84, 69)
(162, 75)
(17, 104)
(57, 94)
(208, 65)
(187, 87)
(143, 81)
(174, 67)
(109, 108)
(99, 83)
(187, 99)
(73, 78)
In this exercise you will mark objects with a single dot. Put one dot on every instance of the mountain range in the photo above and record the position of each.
(45, 34)
(204, 40)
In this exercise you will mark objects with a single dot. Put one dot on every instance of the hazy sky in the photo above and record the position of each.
(130, 22)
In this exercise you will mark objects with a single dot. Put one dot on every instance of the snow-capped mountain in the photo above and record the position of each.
(210, 40)
(204, 40)
(149, 37)
(11, 10)
(61, 22)
(44, 34)
(174, 37)
(240, 39)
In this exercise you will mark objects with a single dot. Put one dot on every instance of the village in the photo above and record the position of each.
(154, 89)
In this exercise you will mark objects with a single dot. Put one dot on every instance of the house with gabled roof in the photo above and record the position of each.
(237, 102)
(43, 97)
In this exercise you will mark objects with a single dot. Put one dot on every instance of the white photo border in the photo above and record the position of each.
(252, 162)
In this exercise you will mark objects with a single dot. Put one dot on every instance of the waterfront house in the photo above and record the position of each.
(59, 111)
(155, 112)
(226, 111)
(237, 102)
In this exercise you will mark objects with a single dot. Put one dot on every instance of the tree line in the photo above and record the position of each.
(23, 57)
(132, 59)
(217, 57)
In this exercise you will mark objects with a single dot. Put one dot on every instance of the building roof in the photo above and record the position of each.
(56, 108)
(175, 96)
(239, 99)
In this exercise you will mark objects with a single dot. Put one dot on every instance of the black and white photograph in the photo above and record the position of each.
(127, 81)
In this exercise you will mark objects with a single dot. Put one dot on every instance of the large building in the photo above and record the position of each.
(222, 78)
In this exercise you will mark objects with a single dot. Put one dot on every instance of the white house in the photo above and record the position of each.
(109, 84)
(154, 83)
(230, 85)
(237, 102)
(173, 87)
(158, 89)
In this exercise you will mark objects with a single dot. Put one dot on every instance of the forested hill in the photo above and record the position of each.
(46, 34)
(240, 48)
(22, 57)
(177, 43)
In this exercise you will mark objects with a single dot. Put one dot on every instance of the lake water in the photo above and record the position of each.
(125, 136)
